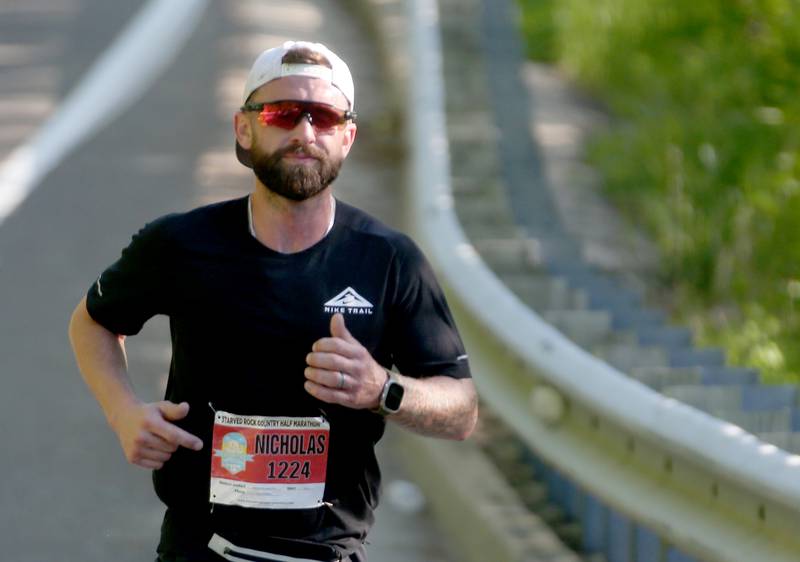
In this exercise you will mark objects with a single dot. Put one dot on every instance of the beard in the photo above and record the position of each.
(297, 182)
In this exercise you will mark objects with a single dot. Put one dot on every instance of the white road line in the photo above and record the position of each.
(119, 77)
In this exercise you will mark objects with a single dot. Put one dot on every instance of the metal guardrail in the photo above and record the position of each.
(702, 485)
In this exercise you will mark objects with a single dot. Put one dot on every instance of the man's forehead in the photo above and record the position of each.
(301, 88)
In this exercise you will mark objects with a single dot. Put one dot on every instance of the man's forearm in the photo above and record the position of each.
(101, 360)
(438, 407)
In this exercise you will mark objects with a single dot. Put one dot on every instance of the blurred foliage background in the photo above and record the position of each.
(703, 151)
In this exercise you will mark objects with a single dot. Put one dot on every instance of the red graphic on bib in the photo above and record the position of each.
(274, 457)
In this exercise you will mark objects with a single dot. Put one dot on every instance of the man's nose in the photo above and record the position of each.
(304, 129)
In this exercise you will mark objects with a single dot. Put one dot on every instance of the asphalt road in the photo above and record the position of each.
(67, 492)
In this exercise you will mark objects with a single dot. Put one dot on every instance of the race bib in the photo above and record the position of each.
(269, 462)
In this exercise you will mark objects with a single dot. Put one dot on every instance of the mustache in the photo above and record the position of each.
(311, 151)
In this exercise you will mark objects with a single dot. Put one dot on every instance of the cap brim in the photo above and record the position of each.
(243, 155)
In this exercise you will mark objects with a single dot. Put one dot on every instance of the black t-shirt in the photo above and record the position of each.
(242, 320)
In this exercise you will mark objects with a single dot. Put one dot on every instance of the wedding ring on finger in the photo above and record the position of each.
(341, 380)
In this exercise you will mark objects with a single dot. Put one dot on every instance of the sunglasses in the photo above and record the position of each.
(287, 113)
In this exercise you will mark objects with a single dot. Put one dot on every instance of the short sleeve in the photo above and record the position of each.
(134, 288)
(424, 336)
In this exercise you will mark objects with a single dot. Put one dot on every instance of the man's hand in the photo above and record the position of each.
(341, 370)
(148, 438)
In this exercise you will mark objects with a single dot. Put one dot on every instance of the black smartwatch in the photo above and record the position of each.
(391, 396)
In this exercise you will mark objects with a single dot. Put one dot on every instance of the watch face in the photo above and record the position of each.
(394, 397)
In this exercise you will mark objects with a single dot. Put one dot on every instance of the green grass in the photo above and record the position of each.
(704, 151)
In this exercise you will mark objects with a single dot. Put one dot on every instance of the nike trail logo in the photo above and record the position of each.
(348, 302)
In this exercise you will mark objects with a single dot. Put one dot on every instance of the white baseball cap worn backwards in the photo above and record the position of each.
(269, 66)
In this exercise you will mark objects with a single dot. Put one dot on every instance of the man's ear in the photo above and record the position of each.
(243, 130)
(349, 138)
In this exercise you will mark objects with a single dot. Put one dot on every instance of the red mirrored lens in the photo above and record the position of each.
(286, 114)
